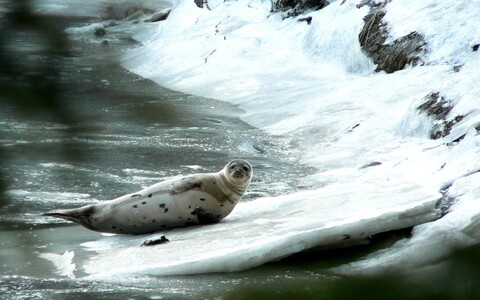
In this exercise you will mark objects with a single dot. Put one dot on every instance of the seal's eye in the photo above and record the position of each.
(232, 167)
(245, 168)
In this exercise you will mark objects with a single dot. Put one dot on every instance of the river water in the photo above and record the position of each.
(130, 133)
(124, 133)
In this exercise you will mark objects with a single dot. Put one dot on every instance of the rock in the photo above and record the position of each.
(371, 164)
(159, 16)
(199, 3)
(371, 3)
(306, 19)
(457, 68)
(159, 241)
(439, 108)
(100, 31)
(300, 4)
(393, 56)
(436, 106)
(293, 8)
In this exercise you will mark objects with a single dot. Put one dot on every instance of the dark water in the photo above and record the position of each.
(126, 133)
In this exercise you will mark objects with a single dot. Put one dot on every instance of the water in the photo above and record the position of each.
(131, 133)
(123, 133)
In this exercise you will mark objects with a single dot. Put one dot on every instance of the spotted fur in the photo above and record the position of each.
(190, 200)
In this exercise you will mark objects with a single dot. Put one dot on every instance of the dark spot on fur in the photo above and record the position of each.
(113, 227)
(136, 195)
(144, 218)
(189, 206)
(153, 221)
(163, 226)
(134, 225)
(221, 205)
(162, 205)
(135, 206)
(165, 210)
(189, 219)
(179, 218)
(121, 229)
(143, 203)
(150, 195)
(202, 199)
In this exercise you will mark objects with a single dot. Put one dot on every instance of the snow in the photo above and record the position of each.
(449, 27)
(63, 263)
(314, 85)
(378, 169)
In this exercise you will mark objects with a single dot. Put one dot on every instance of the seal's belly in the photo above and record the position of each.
(154, 212)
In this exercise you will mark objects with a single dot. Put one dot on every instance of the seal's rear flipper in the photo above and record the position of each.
(80, 215)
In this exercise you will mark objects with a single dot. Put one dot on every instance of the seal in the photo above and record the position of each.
(197, 199)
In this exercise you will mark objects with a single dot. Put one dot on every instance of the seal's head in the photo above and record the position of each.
(238, 172)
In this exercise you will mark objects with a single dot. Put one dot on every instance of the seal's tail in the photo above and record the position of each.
(82, 215)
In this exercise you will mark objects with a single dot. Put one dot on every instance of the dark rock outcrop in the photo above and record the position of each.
(306, 19)
(394, 56)
(300, 4)
(199, 3)
(438, 108)
(293, 8)
(100, 31)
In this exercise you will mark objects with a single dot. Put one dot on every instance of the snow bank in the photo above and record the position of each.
(313, 84)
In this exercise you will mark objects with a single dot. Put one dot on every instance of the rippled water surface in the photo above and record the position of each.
(131, 133)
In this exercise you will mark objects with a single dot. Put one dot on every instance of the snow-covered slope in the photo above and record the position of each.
(368, 133)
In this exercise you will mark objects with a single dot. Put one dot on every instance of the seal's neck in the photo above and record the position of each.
(239, 188)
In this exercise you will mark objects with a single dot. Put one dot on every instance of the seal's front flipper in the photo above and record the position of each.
(204, 217)
(186, 184)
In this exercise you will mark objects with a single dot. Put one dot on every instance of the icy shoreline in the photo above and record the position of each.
(314, 85)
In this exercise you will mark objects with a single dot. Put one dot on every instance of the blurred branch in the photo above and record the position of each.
(31, 88)
(30, 76)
